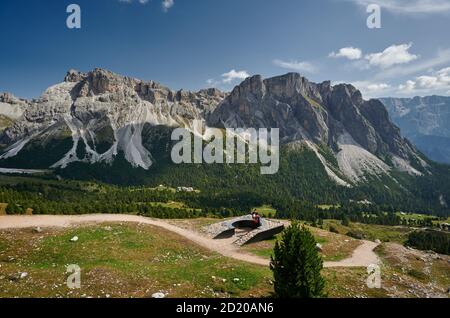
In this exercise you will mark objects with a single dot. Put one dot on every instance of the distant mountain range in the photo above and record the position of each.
(425, 121)
(335, 144)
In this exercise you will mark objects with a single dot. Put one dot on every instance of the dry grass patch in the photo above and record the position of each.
(412, 273)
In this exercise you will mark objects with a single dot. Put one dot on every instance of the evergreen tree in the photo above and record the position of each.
(296, 265)
(345, 221)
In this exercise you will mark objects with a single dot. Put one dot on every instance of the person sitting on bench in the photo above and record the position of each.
(257, 219)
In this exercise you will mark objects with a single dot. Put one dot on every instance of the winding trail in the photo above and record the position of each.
(363, 255)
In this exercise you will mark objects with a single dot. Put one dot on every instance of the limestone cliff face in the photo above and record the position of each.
(93, 116)
(105, 113)
(360, 132)
(11, 108)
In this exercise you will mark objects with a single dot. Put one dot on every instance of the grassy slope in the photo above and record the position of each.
(373, 232)
(130, 261)
(412, 273)
(335, 247)
(266, 211)
(137, 261)
(172, 205)
(5, 122)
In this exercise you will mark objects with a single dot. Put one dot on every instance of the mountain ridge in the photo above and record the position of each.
(425, 121)
(106, 113)
(335, 147)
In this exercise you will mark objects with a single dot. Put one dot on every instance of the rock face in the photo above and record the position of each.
(11, 108)
(317, 112)
(425, 121)
(92, 117)
(360, 132)
(103, 113)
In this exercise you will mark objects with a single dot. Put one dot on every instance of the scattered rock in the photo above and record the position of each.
(18, 276)
(377, 241)
(74, 239)
(37, 230)
(319, 247)
(158, 295)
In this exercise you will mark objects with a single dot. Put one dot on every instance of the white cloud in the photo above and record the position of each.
(441, 58)
(167, 4)
(296, 66)
(234, 75)
(393, 55)
(227, 78)
(408, 87)
(372, 89)
(436, 82)
(130, 1)
(389, 59)
(409, 6)
(350, 53)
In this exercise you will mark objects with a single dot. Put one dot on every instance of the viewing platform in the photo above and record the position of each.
(245, 230)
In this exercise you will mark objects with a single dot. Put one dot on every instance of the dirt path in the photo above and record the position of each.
(363, 256)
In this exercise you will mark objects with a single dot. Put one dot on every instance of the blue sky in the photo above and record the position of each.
(194, 44)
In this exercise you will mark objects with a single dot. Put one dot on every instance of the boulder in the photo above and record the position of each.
(319, 247)
(37, 230)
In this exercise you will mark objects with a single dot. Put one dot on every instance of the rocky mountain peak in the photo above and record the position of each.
(359, 131)
(98, 114)
(99, 81)
(252, 87)
(9, 98)
(103, 113)
(74, 76)
(288, 85)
